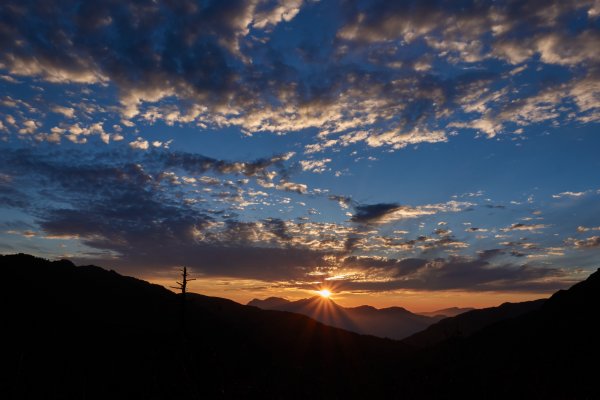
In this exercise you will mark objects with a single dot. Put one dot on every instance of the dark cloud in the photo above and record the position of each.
(524, 227)
(149, 49)
(397, 267)
(373, 212)
(380, 20)
(489, 254)
(130, 221)
(494, 206)
(198, 164)
(117, 205)
(458, 273)
(214, 63)
(11, 197)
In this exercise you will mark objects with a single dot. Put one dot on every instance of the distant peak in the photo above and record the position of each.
(364, 307)
(274, 298)
(268, 302)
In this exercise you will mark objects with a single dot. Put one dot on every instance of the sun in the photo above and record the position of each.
(324, 293)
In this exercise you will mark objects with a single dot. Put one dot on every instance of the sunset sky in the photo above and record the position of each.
(425, 154)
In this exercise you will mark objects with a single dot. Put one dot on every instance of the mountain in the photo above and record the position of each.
(465, 324)
(447, 312)
(551, 352)
(270, 303)
(393, 322)
(85, 332)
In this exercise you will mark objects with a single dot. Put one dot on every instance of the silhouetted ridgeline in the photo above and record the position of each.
(550, 352)
(466, 324)
(448, 312)
(87, 333)
(391, 322)
(84, 332)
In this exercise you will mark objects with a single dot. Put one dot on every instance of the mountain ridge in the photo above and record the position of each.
(466, 324)
(391, 322)
(86, 332)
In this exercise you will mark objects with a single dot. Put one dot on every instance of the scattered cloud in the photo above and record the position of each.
(568, 194)
(139, 144)
(525, 227)
(67, 112)
(588, 243)
(378, 77)
(317, 166)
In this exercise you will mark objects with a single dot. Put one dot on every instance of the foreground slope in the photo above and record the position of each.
(84, 332)
(468, 323)
(551, 352)
(393, 322)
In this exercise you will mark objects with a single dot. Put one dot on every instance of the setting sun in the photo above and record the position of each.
(324, 293)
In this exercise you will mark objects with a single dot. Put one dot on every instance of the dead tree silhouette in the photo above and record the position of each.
(186, 356)
(182, 286)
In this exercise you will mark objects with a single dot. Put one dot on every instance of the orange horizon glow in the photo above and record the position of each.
(243, 291)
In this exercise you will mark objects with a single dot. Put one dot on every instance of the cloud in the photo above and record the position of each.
(68, 112)
(588, 243)
(568, 194)
(130, 210)
(453, 273)
(134, 208)
(10, 196)
(139, 144)
(239, 70)
(317, 166)
(285, 10)
(292, 187)
(373, 212)
(399, 140)
(388, 212)
(459, 30)
(29, 127)
(199, 164)
(402, 267)
(524, 227)
(343, 201)
(489, 254)
(582, 229)
(384, 21)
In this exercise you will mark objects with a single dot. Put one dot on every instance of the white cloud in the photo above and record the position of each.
(582, 229)
(292, 187)
(139, 144)
(68, 112)
(568, 194)
(29, 127)
(317, 166)
(285, 10)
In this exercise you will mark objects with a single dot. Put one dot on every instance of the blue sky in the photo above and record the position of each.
(382, 149)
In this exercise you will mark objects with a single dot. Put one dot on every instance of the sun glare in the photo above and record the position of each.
(324, 293)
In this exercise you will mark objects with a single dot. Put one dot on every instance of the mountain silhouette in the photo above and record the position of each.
(87, 333)
(84, 332)
(447, 312)
(550, 352)
(393, 322)
(465, 324)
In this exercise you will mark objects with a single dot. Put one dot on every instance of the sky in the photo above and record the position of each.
(418, 153)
